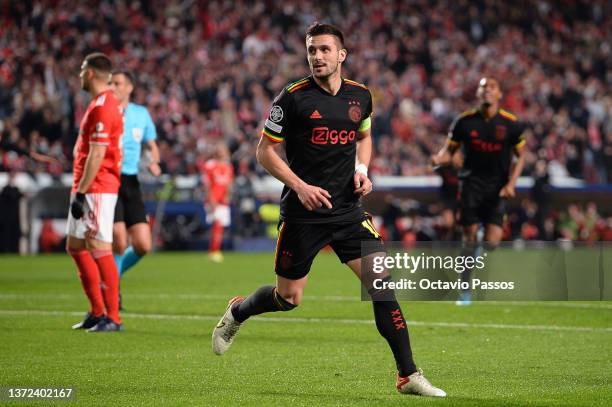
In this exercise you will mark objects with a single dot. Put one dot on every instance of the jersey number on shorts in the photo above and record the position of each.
(370, 227)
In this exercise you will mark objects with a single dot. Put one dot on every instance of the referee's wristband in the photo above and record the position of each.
(362, 168)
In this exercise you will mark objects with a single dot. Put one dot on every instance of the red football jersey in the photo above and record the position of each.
(101, 124)
(218, 176)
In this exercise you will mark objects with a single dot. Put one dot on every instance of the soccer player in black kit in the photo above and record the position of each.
(324, 123)
(490, 137)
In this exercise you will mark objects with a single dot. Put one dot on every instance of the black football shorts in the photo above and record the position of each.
(299, 243)
(130, 206)
(479, 202)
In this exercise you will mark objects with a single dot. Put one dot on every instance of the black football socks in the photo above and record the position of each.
(392, 326)
(468, 249)
(387, 313)
(264, 299)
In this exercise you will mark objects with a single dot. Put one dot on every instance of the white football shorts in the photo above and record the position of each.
(221, 214)
(97, 221)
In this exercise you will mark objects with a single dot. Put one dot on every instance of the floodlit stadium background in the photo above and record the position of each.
(207, 71)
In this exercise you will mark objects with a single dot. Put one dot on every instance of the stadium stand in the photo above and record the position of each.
(208, 70)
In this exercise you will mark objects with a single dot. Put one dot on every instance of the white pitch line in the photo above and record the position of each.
(546, 304)
(439, 324)
(179, 296)
(329, 298)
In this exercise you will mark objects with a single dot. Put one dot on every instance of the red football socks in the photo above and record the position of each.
(110, 282)
(216, 237)
(90, 279)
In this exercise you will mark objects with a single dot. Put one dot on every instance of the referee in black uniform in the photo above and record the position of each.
(490, 137)
(323, 121)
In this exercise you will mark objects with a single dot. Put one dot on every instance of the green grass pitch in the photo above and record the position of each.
(326, 352)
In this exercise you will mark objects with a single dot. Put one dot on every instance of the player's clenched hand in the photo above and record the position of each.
(155, 169)
(363, 185)
(77, 206)
(435, 161)
(313, 197)
(507, 191)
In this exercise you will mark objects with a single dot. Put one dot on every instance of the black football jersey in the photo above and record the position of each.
(320, 133)
(488, 145)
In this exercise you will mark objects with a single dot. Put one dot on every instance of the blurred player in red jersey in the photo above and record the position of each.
(96, 168)
(217, 177)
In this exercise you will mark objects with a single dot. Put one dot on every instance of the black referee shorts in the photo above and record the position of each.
(130, 207)
(479, 202)
(299, 243)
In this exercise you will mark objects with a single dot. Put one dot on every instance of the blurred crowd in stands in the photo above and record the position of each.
(410, 221)
(209, 70)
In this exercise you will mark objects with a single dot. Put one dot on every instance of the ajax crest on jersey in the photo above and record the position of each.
(355, 113)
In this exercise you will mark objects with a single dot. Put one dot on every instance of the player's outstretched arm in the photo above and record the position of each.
(42, 158)
(312, 197)
(92, 165)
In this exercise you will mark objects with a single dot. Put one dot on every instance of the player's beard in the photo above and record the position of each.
(84, 85)
(327, 75)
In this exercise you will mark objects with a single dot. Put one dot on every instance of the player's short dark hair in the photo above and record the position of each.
(100, 62)
(319, 29)
(127, 73)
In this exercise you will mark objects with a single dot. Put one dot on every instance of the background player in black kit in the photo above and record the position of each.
(490, 137)
(324, 123)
